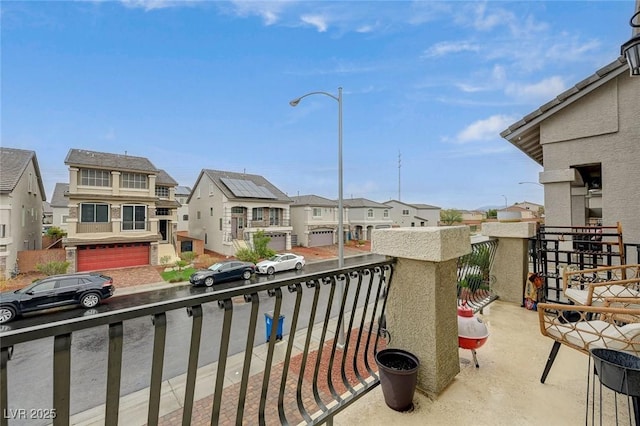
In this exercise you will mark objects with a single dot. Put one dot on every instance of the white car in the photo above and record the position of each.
(280, 262)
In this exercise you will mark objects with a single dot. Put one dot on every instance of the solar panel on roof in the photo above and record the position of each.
(247, 189)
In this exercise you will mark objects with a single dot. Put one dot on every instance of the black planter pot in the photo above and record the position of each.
(620, 372)
(398, 371)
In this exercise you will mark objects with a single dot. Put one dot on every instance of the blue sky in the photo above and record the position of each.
(193, 85)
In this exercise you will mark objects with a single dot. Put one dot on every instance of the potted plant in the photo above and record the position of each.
(398, 370)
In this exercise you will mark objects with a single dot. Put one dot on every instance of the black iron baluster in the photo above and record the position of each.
(62, 379)
(297, 288)
(114, 373)
(5, 356)
(303, 365)
(251, 334)
(277, 292)
(345, 351)
(222, 360)
(356, 369)
(159, 322)
(192, 367)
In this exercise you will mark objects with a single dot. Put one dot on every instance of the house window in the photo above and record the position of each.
(413, 224)
(134, 218)
(317, 212)
(91, 212)
(405, 212)
(274, 217)
(92, 177)
(134, 180)
(3, 230)
(198, 193)
(385, 214)
(221, 224)
(211, 211)
(421, 223)
(370, 213)
(162, 191)
(30, 183)
(198, 214)
(64, 218)
(185, 217)
(210, 189)
(257, 213)
(237, 209)
(162, 212)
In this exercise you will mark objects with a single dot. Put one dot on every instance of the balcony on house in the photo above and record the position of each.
(93, 227)
(305, 370)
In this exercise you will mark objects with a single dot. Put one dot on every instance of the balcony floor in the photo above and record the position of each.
(506, 389)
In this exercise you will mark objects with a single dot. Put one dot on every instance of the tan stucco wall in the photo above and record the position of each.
(578, 136)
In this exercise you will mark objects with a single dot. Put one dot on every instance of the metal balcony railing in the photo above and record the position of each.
(267, 223)
(310, 386)
(474, 275)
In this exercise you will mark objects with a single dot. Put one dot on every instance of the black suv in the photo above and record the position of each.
(86, 290)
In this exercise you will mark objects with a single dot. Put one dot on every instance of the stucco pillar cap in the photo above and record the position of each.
(509, 230)
(430, 243)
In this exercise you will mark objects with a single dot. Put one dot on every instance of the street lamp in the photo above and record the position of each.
(533, 183)
(293, 103)
(631, 49)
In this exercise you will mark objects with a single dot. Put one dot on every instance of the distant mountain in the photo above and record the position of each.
(485, 208)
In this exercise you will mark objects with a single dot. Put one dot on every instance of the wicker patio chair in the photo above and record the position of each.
(615, 325)
(590, 287)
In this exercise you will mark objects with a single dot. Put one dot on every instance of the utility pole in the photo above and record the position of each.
(399, 166)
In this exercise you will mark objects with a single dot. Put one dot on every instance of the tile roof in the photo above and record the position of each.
(415, 206)
(362, 202)
(313, 200)
(103, 160)
(13, 163)
(183, 190)
(163, 178)
(58, 199)
(525, 133)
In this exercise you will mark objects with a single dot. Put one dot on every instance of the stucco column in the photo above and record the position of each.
(511, 261)
(421, 308)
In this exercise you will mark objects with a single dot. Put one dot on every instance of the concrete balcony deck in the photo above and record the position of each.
(506, 389)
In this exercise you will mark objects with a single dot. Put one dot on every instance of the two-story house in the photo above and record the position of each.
(121, 208)
(315, 220)
(410, 214)
(21, 197)
(587, 140)
(227, 208)
(365, 216)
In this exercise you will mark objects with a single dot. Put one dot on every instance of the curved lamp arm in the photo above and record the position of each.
(296, 101)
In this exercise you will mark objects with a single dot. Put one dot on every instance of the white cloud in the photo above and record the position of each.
(148, 5)
(317, 21)
(269, 11)
(537, 92)
(447, 47)
(486, 129)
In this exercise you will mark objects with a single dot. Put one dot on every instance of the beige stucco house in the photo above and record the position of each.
(121, 209)
(227, 208)
(365, 216)
(60, 205)
(410, 214)
(182, 195)
(21, 199)
(587, 140)
(315, 220)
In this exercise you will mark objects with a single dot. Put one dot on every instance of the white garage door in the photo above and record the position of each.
(320, 238)
(278, 242)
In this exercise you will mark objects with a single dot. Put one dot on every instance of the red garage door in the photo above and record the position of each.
(107, 256)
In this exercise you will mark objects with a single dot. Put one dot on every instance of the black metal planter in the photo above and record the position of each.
(620, 372)
(398, 371)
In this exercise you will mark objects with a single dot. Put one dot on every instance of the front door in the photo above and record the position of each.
(163, 230)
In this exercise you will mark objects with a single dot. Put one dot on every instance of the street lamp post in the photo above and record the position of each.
(293, 103)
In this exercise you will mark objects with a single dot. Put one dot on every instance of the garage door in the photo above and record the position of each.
(278, 242)
(320, 238)
(106, 256)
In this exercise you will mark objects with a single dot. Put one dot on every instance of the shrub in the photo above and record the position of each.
(164, 260)
(56, 232)
(473, 282)
(53, 267)
(260, 243)
(188, 256)
(181, 263)
(247, 255)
